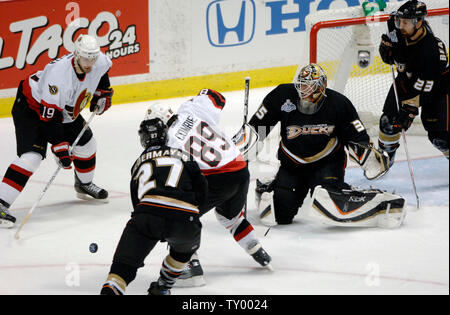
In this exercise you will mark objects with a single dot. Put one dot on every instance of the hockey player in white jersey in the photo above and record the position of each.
(47, 110)
(196, 130)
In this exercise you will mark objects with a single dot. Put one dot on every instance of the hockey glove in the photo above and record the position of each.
(101, 101)
(245, 139)
(386, 50)
(405, 117)
(61, 151)
(374, 162)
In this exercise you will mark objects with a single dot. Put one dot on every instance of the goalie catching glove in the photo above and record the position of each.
(374, 162)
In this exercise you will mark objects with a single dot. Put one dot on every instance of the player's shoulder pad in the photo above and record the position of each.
(217, 99)
(336, 97)
(104, 61)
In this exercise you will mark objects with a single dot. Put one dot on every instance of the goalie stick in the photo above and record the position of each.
(86, 126)
(404, 140)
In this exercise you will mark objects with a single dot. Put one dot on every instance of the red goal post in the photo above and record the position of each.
(354, 21)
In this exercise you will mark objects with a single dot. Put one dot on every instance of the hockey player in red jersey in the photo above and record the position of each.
(196, 130)
(422, 81)
(317, 124)
(47, 110)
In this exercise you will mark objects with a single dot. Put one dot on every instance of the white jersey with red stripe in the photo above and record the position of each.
(58, 87)
(197, 132)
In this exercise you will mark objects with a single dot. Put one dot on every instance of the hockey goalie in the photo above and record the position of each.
(317, 125)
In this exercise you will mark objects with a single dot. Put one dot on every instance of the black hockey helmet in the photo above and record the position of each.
(153, 132)
(413, 9)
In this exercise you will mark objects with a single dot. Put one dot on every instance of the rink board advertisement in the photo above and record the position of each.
(34, 31)
(251, 31)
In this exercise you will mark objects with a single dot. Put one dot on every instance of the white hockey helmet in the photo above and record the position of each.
(86, 46)
(157, 110)
(311, 83)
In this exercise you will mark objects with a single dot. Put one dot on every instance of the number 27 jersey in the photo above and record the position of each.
(196, 132)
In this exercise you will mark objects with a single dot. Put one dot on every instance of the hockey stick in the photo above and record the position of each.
(404, 140)
(86, 126)
(247, 90)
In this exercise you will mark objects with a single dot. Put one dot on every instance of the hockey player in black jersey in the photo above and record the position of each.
(422, 81)
(166, 189)
(317, 123)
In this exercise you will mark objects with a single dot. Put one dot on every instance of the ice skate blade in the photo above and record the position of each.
(89, 198)
(197, 281)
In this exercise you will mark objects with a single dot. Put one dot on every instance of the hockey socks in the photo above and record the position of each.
(241, 230)
(171, 270)
(114, 285)
(85, 168)
(122, 275)
(17, 176)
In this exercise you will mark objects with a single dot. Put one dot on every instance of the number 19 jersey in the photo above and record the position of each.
(197, 132)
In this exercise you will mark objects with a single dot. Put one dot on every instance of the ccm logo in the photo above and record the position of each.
(230, 23)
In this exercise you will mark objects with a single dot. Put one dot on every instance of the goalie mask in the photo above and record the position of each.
(311, 83)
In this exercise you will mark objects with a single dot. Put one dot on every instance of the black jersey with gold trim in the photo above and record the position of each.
(422, 65)
(168, 182)
(308, 138)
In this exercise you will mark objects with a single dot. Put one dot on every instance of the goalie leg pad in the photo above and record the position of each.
(357, 208)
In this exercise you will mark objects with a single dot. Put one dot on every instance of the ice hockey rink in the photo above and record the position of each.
(53, 257)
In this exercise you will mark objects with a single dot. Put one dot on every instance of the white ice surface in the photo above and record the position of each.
(52, 256)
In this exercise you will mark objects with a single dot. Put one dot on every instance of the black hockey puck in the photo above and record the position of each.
(93, 248)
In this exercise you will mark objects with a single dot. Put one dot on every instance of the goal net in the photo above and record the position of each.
(345, 44)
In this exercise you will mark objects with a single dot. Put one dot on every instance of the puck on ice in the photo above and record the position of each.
(93, 248)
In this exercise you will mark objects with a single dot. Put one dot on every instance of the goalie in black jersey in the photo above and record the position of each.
(317, 123)
(422, 80)
(166, 189)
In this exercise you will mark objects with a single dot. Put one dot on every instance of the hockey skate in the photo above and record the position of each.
(6, 219)
(192, 275)
(260, 255)
(90, 191)
(157, 289)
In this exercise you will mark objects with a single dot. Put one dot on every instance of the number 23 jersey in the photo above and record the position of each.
(197, 132)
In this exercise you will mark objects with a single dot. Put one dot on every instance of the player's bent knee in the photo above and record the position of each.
(86, 150)
(179, 257)
(31, 161)
(439, 141)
